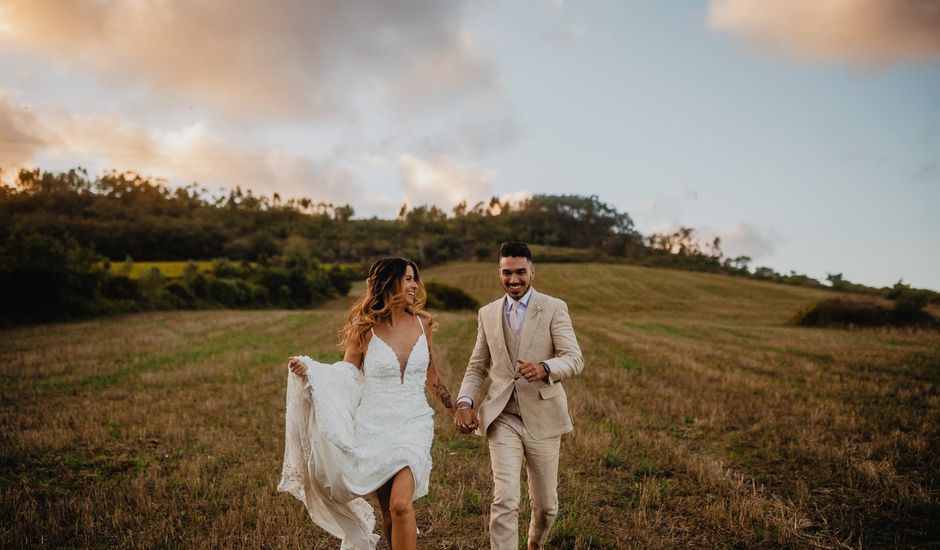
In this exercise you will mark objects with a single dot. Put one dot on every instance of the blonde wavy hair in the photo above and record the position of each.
(383, 295)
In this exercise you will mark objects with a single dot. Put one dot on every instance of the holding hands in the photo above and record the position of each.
(466, 419)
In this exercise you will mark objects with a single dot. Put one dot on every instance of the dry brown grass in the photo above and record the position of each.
(702, 420)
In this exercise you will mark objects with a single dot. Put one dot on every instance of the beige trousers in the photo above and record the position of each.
(511, 446)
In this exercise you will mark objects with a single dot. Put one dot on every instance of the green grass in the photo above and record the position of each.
(703, 419)
(170, 270)
(173, 270)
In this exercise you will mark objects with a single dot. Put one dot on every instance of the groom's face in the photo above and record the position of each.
(516, 275)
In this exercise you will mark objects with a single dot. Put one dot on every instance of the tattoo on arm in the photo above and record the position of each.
(443, 395)
(439, 388)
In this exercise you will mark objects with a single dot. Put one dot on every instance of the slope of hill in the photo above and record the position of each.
(702, 419)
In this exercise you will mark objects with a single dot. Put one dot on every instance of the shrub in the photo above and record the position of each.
(448, 298)
(258, 295)
(47, 279)
(197, 283)
(120, 287)
(911, 301)
(342, 277)
(309, 287)
(838, 312)
(178, 296)
(274, 280)
(227, 292)
(151, 286)
(485, 252)
(228, 269)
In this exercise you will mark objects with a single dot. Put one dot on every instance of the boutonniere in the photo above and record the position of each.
(538, 308)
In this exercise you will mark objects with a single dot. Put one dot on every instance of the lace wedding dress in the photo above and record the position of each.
(348, 431)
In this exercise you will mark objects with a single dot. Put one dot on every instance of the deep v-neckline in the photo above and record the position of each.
(401, 367)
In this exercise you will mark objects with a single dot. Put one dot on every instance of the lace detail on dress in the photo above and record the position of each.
(348, 431)
(394, 424)
(311, 455)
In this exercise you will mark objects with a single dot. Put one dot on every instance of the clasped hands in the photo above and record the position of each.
(466, 419)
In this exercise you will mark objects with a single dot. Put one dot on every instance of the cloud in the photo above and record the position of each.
(490, 132)
(647, 207)
(186, 154)
(741, 239)
(481, 136)
(21, 133)
(515, 198)
(249, 57)
(440, 181)
(745, 240)
(440, 75)
(859, 31)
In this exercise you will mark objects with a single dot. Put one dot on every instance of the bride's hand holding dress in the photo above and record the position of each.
(297, 367)
(363, 426)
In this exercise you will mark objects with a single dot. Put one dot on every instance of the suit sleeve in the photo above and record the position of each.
(568, 360)
(478, 368)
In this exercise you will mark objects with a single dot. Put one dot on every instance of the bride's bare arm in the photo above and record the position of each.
(351, 355)
(435, 383)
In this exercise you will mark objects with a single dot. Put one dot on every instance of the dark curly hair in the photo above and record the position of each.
(515, 249)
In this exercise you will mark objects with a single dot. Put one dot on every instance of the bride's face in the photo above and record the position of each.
(409, 285)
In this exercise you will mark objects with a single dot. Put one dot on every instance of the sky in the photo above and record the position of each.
(805, 134)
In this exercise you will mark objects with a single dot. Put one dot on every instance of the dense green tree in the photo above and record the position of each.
(43, 278)
(57, 228)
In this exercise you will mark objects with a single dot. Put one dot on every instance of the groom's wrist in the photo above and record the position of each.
(548, 373)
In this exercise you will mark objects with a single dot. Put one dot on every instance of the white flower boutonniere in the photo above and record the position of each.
(538, 308)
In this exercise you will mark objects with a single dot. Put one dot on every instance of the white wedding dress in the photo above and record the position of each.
(348, 431)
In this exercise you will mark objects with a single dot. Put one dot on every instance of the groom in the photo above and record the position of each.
(525, 346)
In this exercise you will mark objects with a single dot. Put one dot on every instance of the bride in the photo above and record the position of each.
(363, 426)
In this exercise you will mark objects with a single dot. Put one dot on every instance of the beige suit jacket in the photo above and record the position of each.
(547, 335)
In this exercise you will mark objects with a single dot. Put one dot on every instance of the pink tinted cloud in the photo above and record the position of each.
(291, 58)
(191, 153)
(867, 32)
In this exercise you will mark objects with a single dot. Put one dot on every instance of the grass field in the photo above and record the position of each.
(167, 269)
(173, 270)
(702, 419)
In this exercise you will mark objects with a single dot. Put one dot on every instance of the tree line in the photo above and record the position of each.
(57, 229)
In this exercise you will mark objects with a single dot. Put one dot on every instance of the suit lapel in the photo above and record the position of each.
(533, 314)
(496, 327)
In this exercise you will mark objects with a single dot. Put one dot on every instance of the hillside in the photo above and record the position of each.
(702, 419)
